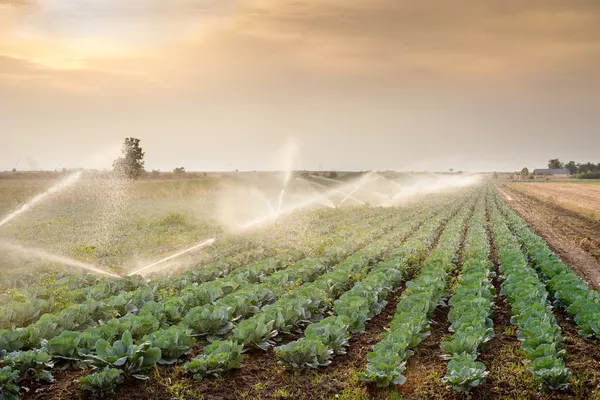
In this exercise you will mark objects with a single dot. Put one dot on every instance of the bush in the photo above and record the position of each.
(31, 365)
(9, 389)
(174, 218)
(589, 175)
(104, 381)
(125, 355)
(173, 343)
(219, 357)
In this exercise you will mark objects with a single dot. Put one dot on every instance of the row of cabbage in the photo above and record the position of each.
(329, 337)
(410, 325)
(53, 292)
(26, 306)
(309, 302)
(210, 309)
(570, 292)
(539, 333)
(146, 300)
(471, 307)
(76, 349)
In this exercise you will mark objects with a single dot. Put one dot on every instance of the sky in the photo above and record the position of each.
(475, 85)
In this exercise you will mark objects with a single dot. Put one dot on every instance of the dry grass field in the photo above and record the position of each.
(582, 197)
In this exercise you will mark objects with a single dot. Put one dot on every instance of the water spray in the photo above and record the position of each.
(65, 183)
(350, 195)
(29, 252)
(360, 185)
(434, 185)
(328, 202)
(281, 194)
(196, 247)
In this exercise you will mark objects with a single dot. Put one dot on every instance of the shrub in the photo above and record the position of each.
(102, 382)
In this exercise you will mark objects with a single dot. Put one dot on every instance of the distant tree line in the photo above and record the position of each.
(581, 170)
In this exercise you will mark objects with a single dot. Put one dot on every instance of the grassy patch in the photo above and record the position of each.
(509, 374)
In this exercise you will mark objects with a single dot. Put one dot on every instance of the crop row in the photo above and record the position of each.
(218, 318)
(141, 301)
(569, 291)
(23, 306)
(124, 357)
(304, 304)
(133, 292)
(299, 302)
(471, 307)
(71, 349)
(329, 337)
(538, 331)
(410, 325)
(195, 307)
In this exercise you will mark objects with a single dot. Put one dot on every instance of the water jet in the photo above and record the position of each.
(30, 252)
(195, 247)
(65, 183)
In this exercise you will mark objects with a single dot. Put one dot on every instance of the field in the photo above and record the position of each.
(579, 196)
(447, 294)
(574, 236)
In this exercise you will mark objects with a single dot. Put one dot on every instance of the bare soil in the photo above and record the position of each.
(575, 238)
(583, 198)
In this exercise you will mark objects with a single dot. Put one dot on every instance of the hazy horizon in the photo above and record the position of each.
(225, 84)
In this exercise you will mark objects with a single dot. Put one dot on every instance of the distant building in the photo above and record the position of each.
(551, 172)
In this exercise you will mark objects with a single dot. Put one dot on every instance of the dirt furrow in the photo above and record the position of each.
(573, 237)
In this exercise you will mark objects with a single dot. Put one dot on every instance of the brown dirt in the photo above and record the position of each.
(583, 198)
(426, 367)
(575, 238)
(65, 386)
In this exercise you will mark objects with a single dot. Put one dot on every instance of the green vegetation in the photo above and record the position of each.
(540, 336)
(410, 325)
(586, 170)
(102, 382)
(309, 290)
(570, 292)
(472, 304)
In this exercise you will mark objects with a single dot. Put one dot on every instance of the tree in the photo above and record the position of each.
(572, 167)
(525, 173)
(555, 164)
(131, 165)
(587, 167)
(179, 170)
(14, 170)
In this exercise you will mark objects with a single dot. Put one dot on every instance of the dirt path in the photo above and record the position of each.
(573, 237)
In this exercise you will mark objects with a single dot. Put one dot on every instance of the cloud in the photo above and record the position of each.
(479, 41)
(73, 34)
(188, 45)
